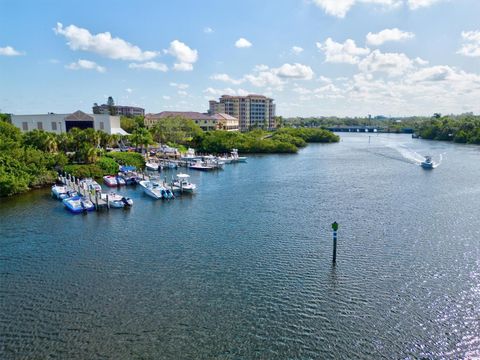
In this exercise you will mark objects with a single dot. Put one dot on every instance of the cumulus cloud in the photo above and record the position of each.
(243, 43)
(10, 51)
(213, 92)
(185, 55)
(471, 46)
(179, 86)
(416, 4)
(227, 78)
(86, 65)
(102, 43)
(392, 64)
(348, 52)
(150, 65)
(296, 71)
(166, 97)
(207, 30)
(340, 8)
(297, 50)
(383, 36)
(129, 90)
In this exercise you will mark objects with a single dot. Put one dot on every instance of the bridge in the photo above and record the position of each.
(346, 128)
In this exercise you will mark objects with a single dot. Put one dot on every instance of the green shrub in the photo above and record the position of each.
(108, 165)
(84, 171)
(128, 158)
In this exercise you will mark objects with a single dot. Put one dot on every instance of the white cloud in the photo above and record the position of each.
(86, 65)
(10, 51)
(383, 36)
(420, 61)
(297, 50)
(212, 92)
(150, 65)
(226, 78)
(416, 4)
(340, 8)
(207, 30)
(264, 76)
(179, 86)
(243, 43)
(471, 46)
(166, 97)
(182, 93)
(185, 56)
(102, 43)
(129, 90)
(348, 52)
(392, 64)
(297, 71)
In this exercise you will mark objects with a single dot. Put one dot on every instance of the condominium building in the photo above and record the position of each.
(252, 110)
(205, 121)
(118, 110)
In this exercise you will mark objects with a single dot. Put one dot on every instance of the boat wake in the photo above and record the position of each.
(414, 157)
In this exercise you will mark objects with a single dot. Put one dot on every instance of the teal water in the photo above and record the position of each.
(242, 269)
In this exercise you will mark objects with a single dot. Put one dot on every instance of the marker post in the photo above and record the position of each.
(334, 228)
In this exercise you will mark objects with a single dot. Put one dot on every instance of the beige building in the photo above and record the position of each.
(60, 123)
(205, 121)
(251, 110)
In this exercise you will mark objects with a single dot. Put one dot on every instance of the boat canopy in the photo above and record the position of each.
(127, 168)
(183, 176)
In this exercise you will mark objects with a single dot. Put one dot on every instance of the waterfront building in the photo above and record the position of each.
(60, 123)
(129, 111)
(206, 122)
(252, 110)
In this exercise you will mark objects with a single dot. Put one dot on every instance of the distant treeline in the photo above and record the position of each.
(464, 128)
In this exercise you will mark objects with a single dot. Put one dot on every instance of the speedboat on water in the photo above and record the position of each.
(129, 174)
(78, 204)
(113, 181)
(181, 184)
(427, 163)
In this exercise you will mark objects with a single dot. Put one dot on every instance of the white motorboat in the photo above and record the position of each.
(201, 165)
(156, 190)
(181, 184)
(427, 163)
(114, 181)
(237, 158)
(90, 184)
(117, 200)
(151, 165)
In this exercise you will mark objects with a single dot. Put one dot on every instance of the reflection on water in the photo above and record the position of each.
(243, 268)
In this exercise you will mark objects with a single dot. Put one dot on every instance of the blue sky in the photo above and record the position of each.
(314, 57)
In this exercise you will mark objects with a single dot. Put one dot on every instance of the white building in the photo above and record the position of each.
(59, 123)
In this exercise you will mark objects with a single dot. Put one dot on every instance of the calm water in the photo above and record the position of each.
(242, 269)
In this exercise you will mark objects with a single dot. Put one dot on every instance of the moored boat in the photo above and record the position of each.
(236, 157)
(113, 181)
(201, 165)
(78, 204)
(151, 188)
(90, 184)
(152, 166)
(181, 184)
(117, 201)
